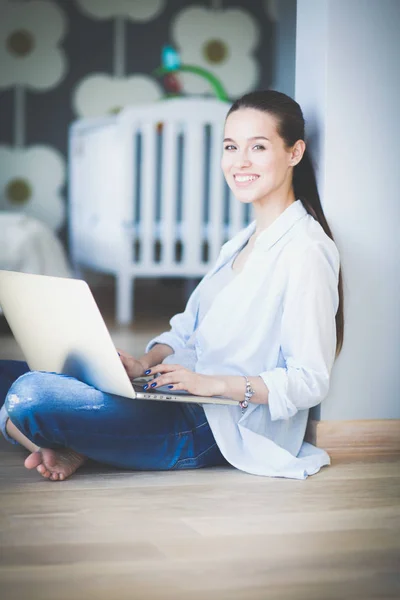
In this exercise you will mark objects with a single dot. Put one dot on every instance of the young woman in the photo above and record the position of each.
(263, 327)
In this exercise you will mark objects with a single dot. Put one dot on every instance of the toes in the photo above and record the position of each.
(54, 465)
(43, 471)
(45, 462)
(53, 476)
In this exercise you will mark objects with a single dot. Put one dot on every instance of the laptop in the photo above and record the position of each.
(59, 328)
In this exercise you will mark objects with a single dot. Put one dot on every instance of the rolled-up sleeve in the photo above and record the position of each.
(308, 333)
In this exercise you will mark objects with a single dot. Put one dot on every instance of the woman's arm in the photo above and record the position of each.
(229, 386)
(155, 356)
(182, 327)
(233, 386)
(182, 324)
(308, 333)
(308, 343)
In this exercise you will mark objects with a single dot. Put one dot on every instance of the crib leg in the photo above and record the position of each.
(189, 287)
(75, 266)
(124, 298)
(77, 272)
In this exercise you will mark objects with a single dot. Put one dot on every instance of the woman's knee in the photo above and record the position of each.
(25, 394)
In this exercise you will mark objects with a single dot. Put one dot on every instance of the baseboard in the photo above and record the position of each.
(372, 436)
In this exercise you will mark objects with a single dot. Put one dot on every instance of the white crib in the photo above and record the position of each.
(147, 197)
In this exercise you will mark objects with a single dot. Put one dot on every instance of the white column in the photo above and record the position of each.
(348, 84)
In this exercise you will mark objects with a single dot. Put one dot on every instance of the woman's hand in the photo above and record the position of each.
(133, 367)
(177, 377)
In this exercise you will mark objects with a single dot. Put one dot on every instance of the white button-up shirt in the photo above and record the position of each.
(276, 320)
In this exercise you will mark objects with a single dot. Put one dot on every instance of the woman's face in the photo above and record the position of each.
(255, 161)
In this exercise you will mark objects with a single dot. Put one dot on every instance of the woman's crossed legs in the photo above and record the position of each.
(68, 421)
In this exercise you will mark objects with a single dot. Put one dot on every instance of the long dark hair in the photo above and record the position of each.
(290, 126)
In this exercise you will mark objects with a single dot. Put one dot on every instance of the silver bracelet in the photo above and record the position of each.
(247, 395)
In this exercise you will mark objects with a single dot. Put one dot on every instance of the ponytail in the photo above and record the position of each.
(305, 189)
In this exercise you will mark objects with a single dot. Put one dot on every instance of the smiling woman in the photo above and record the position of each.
(263, 327)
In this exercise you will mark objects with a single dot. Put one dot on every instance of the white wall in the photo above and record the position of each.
(348, 84)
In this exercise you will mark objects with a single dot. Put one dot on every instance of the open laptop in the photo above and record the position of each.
(59, 328)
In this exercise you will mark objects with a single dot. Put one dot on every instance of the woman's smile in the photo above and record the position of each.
(245, 179)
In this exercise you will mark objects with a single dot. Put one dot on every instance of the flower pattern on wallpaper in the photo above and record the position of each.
(221, 41)
(30, 34)
(136, 10)
(31, 180)
(100, 94)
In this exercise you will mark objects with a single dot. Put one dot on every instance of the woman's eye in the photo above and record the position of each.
(258, 147)
(230, 147)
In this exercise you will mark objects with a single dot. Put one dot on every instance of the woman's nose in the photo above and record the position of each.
(242, 160)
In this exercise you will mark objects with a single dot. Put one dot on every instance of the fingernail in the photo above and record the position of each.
(170, 386)
(146, 386)
(119, 354)
(147, 372)
(153, 384)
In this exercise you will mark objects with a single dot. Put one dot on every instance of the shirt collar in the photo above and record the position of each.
(280, 226)
(271, 234)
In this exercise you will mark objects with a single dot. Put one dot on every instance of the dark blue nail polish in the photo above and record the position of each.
(153, 384)
(147, 372)
(170, 386)
(146, 386)
(119, 354)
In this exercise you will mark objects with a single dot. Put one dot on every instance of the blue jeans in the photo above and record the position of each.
(55, 411)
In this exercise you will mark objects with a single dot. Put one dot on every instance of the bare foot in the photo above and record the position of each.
(56, 465)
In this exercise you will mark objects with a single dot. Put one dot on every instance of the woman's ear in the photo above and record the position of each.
(296, 153)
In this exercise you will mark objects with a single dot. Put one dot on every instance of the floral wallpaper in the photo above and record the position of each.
(61, 60)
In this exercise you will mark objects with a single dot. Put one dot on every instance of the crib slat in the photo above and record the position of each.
(132, 208)
(216, 224)
(168, 193)
(77, 183)
(193, 196)
(147, 193)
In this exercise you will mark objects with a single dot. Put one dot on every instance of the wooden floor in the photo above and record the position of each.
(195, 535)
(215, 533)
